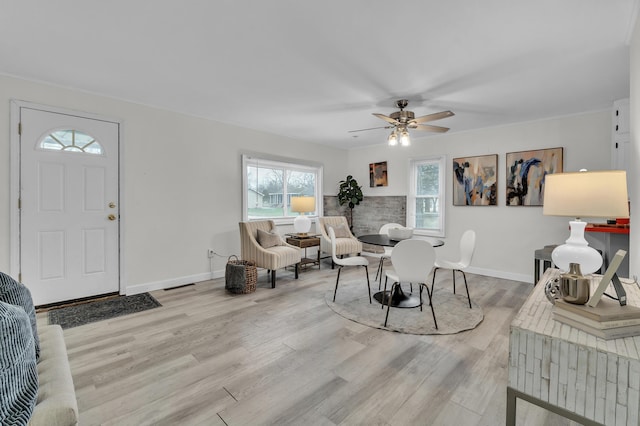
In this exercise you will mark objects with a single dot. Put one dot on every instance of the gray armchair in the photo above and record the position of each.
(270, 258)
(346, 244)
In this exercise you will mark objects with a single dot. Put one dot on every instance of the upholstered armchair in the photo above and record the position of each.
(346, 243)
(261, 244)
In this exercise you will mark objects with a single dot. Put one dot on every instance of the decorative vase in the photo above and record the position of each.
(574, 287)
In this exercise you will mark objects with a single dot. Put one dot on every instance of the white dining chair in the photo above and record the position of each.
(412, 262)
(467, 248)
(347, 261)
(384, 230)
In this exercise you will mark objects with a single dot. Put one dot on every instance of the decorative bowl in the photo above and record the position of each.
(400, 233)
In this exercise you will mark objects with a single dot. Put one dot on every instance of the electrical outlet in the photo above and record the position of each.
(210, 253)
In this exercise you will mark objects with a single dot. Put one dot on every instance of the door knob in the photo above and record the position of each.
(112, 217)
(112, 205)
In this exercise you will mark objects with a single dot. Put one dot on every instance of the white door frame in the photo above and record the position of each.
(14, 182)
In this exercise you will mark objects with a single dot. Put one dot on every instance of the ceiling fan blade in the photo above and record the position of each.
(432, 117)
(370, 128)
(387, 119)
(429, 128)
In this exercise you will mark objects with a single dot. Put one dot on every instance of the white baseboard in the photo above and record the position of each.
(501, 274)
(173, 282)
(176, 282)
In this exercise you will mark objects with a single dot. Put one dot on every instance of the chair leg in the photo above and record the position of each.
(467, 287)
(386, 317)
(379, 272)
(453, 271)
(366, 271)
(297, 269)
(433, 282)
(273, 278)
(337, 279)
(384, 292)
(432, 311)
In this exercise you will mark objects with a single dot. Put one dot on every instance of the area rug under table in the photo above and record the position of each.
(85, 313)
(452, 311)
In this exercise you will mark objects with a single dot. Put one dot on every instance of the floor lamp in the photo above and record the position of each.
(302, 205)
(584, 194)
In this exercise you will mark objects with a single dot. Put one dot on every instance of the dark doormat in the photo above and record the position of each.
(85, 313)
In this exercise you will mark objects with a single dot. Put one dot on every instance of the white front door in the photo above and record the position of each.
(69, 205)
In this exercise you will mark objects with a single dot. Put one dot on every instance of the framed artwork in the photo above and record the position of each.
(378, 174)
(526, 171)
(475, 181)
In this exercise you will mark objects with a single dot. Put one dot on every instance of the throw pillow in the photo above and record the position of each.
(341, 231)
(14, 293)
(268, 239)
(18, 370)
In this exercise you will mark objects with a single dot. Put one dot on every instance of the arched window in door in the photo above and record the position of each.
(72, 141)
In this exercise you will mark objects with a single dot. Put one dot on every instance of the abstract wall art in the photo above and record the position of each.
(378, 174)
(475, 181)
(526, 171)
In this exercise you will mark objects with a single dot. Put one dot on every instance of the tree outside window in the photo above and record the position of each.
(425, 203)
(271, 184)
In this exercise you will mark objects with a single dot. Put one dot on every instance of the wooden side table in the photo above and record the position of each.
(565, 370)
(304, 242)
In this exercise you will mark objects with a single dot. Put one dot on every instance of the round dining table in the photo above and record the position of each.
(399, 299)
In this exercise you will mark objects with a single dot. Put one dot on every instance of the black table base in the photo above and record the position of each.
(399, 299)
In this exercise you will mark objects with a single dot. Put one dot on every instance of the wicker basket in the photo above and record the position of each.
(240, 276)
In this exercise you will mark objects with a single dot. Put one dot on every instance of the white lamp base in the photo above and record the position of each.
(302, 224)
(577, 250)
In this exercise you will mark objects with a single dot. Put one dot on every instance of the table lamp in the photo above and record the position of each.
(302, 205)
(584, 194)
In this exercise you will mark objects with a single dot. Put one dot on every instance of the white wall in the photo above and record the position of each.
(182, 183)
(506, 236)
(634, 185)
(182, 189)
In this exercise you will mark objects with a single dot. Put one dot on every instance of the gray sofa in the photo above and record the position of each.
(36, 386)
(56, 404)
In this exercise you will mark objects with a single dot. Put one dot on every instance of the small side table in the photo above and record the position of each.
(543, 254)
(304, 242)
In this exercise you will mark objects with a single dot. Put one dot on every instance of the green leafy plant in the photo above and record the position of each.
(350, 193)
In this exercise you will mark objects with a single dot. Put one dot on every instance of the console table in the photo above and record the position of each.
(568, 371)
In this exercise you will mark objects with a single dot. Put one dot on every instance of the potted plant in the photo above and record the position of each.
(350, 193)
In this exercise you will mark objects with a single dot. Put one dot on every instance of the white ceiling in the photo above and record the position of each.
(313, 70)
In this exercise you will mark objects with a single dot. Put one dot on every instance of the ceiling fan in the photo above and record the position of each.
(401, 121)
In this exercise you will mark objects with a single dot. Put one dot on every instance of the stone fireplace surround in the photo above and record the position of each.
(371, 213)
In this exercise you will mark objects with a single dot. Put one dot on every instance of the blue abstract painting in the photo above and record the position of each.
(475, 181)
(526, 171)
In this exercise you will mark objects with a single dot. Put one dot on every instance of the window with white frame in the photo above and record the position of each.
(425, 203)
(71, 140)
(269, 184)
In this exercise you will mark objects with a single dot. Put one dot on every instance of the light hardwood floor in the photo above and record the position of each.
(281, 356)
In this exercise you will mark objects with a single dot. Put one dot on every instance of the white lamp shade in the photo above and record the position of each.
(587, 194)
(303, 204)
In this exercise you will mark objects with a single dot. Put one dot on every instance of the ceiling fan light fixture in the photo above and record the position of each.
(405, 140)
(393, 139)
(401, 121)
